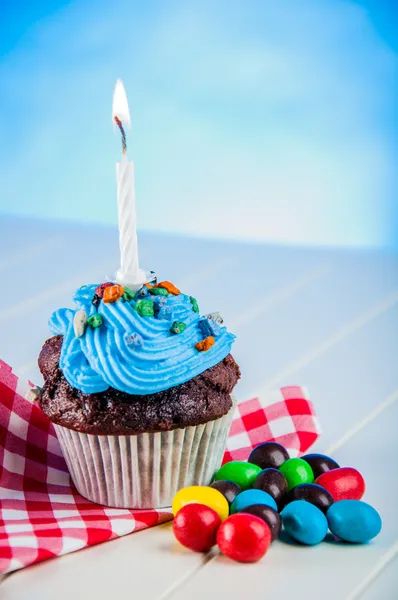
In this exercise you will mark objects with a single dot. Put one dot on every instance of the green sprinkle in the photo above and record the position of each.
(95, 320)
(128, 295)
(158, 292)
(145, 308)
(178, 327)
(195, 305)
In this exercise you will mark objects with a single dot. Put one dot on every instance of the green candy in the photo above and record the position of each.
(239, 472)
(195, 305)
(95, 320)
(145, 308)
(128, 295)
(296, 471)
(158, 292)
(178, 327)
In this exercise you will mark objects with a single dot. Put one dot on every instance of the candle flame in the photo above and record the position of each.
(120, 107)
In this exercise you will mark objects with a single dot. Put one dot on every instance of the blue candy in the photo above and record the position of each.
(305, 522)
(208, 326)
(354, 521)
(250, 497)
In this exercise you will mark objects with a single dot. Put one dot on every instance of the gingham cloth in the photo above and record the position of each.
(41, 513)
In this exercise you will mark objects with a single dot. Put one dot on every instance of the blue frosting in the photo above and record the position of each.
(131, 353)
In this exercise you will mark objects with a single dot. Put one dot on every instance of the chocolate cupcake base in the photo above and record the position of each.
(144, 470)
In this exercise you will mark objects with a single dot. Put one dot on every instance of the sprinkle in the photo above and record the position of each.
(141, 293)
(95, 320)
(79, 322)
(158, 292)
(145, 308)
(113, 293)
(134, 339)
(34, 394)
(99, 291)
(205, 344)
(195, 305)
(209, 327)
(216, 317)
(148, 285)
(178, 327)
(128, 295)
(171, 288)
(165, 312)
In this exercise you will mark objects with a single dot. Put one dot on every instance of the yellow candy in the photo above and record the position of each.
(201, 495)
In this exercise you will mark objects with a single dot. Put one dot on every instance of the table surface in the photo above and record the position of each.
(327, 319)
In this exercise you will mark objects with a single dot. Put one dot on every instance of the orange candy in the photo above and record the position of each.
(172, 289)
(205, 344)
(113, 293)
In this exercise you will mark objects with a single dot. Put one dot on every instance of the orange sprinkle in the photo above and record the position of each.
(148, 285)
(205, 344)
(113, 293)
(171, 288)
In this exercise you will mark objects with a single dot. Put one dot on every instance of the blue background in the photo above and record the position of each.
(258, 120)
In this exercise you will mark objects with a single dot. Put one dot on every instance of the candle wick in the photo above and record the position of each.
(120, 125)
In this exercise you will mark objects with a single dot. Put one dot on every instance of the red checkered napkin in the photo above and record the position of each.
(41, 513)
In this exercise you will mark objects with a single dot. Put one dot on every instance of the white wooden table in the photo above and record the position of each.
(327, 319)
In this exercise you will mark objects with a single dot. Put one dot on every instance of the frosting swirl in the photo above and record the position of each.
(132, 353)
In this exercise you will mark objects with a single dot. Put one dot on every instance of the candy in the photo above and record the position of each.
(344, 483)
(313, 493)
(296, 471)
(229, 489)
(249, 497)
(241, 473)
(141, 293)
(113, 293)
(216, 317)
(244, 537)
(96, 300)
(304, 522)
(80, 322)
(273, 482)
(268, 515)
(95, 320)
(209, 327)
(172, 289)
(158, 291)
(145, 308)
(354, 521)
(128, 295)
(195, 305)
(205, 344)
(198, 494)
(320, 463)
(269, 455)
(99, 291)
(134, 339)
(178, 327)
(195, 527)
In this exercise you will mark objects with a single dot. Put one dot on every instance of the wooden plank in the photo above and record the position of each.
(333, 568)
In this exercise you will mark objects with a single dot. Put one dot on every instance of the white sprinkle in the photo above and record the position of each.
(33, 394)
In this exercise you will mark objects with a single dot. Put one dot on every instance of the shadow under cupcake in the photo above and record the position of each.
(138, 386)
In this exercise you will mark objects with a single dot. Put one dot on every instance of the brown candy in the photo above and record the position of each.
(269, 455)
(274, 483)
(229, 489)
(267, 514)
(320, 463)
(313, 493)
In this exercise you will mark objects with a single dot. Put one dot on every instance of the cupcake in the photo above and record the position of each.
(138, 386)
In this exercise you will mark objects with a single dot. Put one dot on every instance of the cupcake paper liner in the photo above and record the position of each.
(144, 470)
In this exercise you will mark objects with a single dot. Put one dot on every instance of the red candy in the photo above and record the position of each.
(345, 483)
(244, 537)
(195, 527)
(99, 291)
